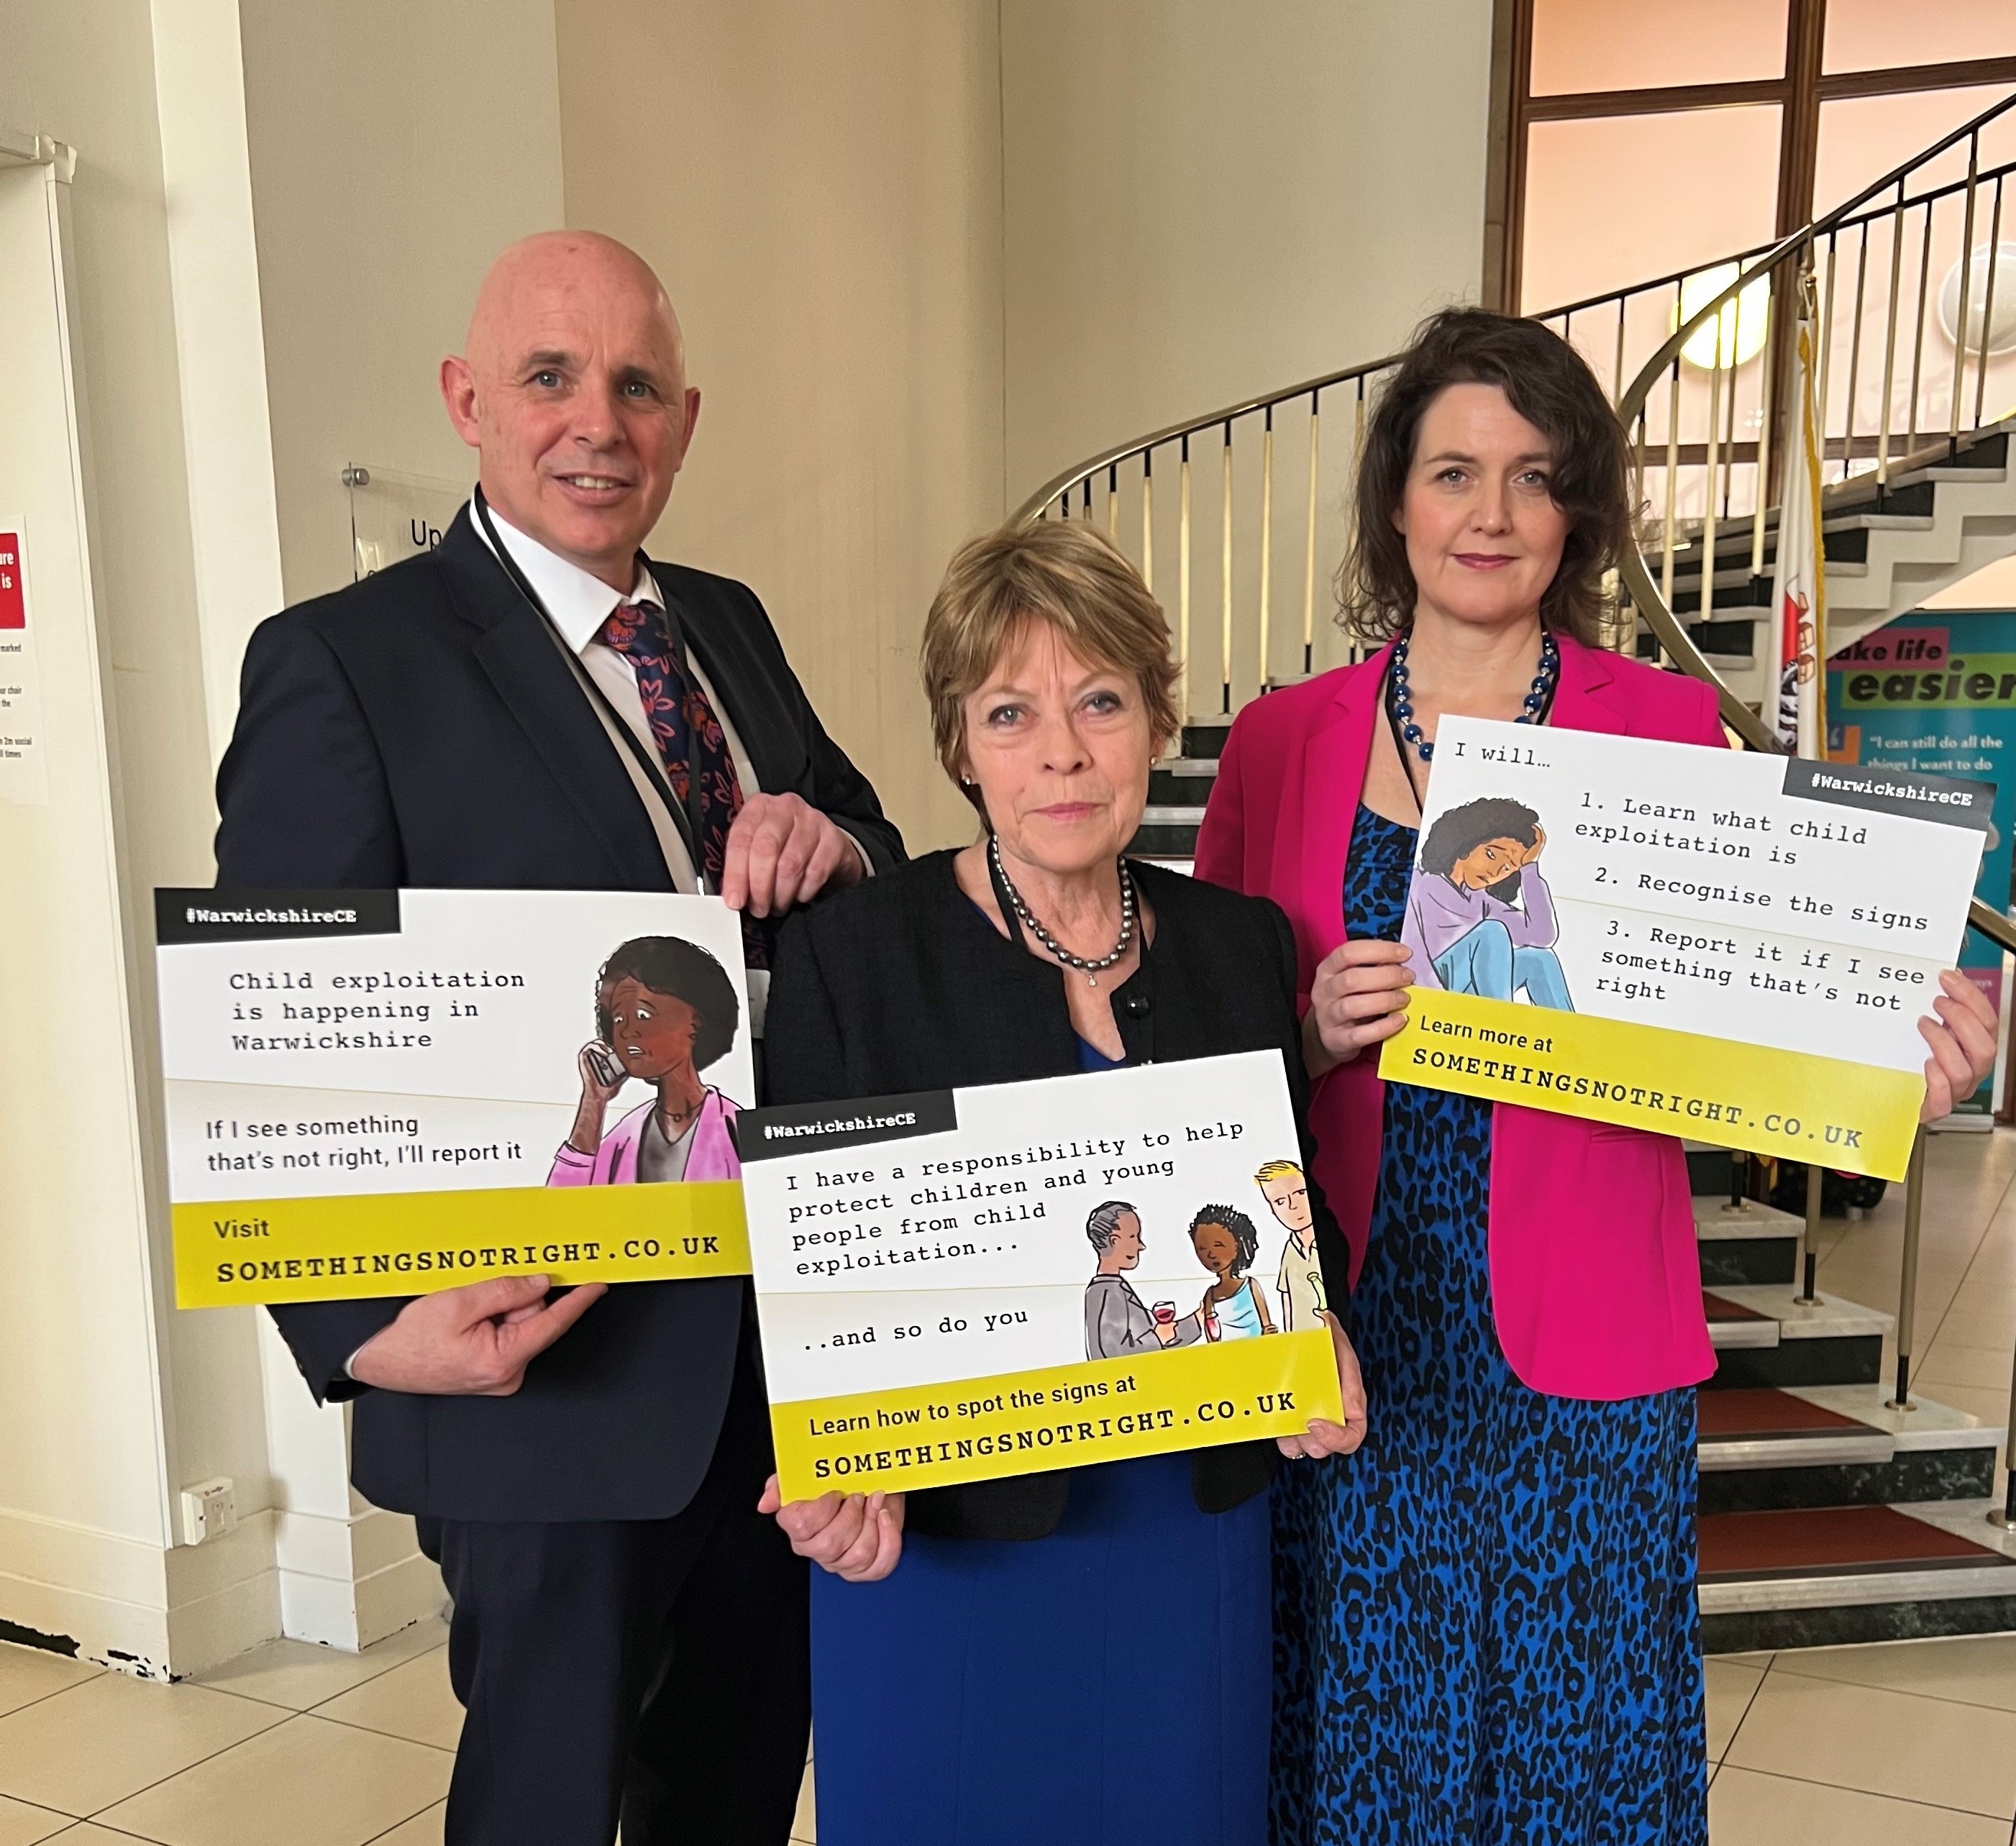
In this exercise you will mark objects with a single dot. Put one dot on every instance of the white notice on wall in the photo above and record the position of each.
(23, 779)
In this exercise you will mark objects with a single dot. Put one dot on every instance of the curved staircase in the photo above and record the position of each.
(1827, 1513)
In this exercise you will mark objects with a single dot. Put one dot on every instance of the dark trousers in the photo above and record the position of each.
(657, 1670)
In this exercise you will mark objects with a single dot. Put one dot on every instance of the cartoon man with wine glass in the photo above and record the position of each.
(1116, 1324)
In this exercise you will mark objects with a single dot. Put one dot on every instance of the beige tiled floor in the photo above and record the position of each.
(1912, 1744)
(289, 1743)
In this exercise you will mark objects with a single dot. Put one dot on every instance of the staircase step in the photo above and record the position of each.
(1169, 791)
(1731, 1325)
(1837, 1445)
(1758, 1428)
(1807, 1545)
(1831, 1342)
(1747, 1244)
(1164, 843)
(1206, 738)
(1822, 1576)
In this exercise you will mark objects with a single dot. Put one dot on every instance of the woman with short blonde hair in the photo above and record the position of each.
(1082, 1658)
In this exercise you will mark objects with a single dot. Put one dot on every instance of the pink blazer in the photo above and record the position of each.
(712, 1155)
(1595, 1281)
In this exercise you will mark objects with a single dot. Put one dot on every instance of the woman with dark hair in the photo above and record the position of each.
(1226, 1243)
(1486, 1624)
(1482, 921)
(664, 1010)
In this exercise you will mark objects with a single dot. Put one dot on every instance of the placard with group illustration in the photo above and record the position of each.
(1719, 944)
(380, 1092)
(970, 1283)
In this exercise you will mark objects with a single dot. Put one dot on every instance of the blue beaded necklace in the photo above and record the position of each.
(1401, 699)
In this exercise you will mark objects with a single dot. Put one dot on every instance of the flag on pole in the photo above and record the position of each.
(1795, 649)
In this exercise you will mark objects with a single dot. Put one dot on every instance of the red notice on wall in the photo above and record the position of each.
(13, 604)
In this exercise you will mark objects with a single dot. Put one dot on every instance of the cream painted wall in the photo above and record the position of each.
(1205, 202)
(396, 146)
(393, 149)
(823, 189)
(928, 253)
(226, 378)
(93, 1435)
(819, 186)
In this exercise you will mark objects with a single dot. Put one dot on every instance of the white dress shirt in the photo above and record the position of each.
(579, 603)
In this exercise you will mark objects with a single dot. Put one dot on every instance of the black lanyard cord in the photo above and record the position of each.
(687, 816)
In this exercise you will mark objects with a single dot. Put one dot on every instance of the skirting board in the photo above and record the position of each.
(121, 1603)
(167, 1614)
(346, 1583)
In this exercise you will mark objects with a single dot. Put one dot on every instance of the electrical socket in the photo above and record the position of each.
(210, 1509)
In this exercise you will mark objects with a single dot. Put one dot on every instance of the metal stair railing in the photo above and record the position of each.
(1716, 348)
(1782, 266)
(1701, 469)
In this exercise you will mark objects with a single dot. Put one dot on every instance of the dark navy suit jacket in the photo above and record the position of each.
(422, 729)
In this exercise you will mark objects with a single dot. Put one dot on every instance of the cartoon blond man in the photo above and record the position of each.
(1286, 1189)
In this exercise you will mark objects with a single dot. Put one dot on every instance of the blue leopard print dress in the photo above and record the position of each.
(1485, 1620)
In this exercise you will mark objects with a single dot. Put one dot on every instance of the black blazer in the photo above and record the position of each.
(422, 729)
(902, 984)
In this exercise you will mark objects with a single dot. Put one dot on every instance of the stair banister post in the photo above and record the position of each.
(2005, 1515)
(1309, 555)
(1810, 1237)
(1767, 388)
(1919, 308)
(1907, 1281)
(1823, 327)
(1890, 344)
(1966, 283)
(1266, 546)
(1225, 576)
(1854, 351)
(1708, 533)
(1183, 559)
(1987, 304)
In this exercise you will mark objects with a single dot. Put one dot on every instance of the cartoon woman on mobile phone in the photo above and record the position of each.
(1480, 918)
(664, 1010)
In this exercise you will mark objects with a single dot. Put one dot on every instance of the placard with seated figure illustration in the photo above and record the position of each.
(1714, 942)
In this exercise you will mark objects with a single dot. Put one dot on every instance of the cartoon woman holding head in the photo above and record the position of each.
(1226, 1243)
(1480, 918)
(664, 1010)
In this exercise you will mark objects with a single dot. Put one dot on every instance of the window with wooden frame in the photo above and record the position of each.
(1637, 139)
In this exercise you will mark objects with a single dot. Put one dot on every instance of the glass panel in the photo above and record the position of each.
(1881, 34)
(1862, 138)
(1598, 44)
(1616, 199)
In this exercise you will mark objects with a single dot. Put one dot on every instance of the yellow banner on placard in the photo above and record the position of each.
(1857, 1118)
(1058, 1416)
(344, 1248)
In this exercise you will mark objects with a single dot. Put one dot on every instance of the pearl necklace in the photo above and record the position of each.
(1403, 698)
(1090, 969)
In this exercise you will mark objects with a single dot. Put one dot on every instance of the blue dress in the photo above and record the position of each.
(1108, 1685)
(1486, 1625)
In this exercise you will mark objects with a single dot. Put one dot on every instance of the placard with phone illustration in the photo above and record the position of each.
(1714, 943)
(969, 1283)
(376, 1093)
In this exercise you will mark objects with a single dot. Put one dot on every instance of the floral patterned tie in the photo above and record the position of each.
(690, 739)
